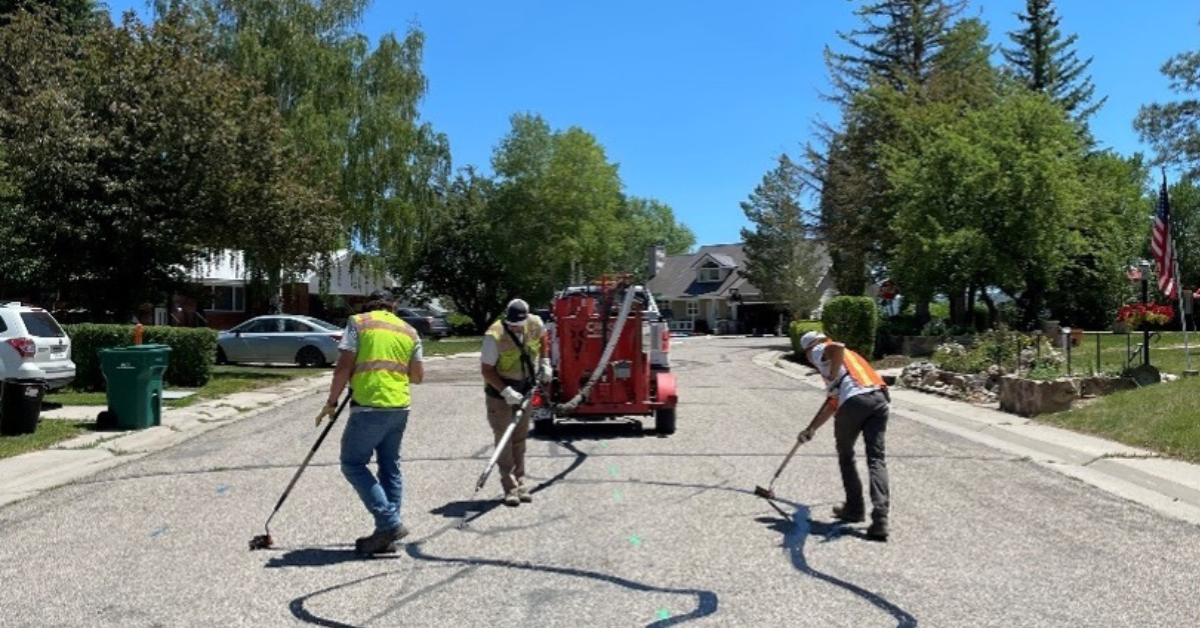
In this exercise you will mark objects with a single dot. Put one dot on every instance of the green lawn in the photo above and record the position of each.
(1166, 352)
(226, 379)
(452, 346)
(49, 433)
(1161, 418)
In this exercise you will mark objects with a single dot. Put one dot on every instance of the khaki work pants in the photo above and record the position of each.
(511, 462)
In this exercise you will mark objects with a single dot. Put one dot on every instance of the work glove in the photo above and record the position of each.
(806, 435)
(546, 373)
(511, 396)
(326, 410)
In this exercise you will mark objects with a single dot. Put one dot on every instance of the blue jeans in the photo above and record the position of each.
(378, 431)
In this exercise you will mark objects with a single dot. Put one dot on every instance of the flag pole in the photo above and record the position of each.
(1178, 280)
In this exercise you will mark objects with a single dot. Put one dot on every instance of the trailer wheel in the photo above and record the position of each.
(664, 421)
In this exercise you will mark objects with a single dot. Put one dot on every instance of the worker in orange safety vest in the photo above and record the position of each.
(860, 399)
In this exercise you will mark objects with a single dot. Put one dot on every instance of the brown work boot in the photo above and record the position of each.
(523, 494)
(511, 498)
(842, 513)
(380, 542)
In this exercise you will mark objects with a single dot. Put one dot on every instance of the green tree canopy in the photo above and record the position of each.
(559, 209)
(137, 155)
(1173, 129)
(351, 111)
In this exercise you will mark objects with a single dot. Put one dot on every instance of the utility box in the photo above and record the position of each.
(135, 385)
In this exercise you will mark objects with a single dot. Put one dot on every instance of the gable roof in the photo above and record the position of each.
(678, 279)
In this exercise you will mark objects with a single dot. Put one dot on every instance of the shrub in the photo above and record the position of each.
(190, 363)
(461, 325)
(852, 321)
(998, 348)
(798, 328)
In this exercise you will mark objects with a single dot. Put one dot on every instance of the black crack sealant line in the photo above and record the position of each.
(793, 541)
(706, 601)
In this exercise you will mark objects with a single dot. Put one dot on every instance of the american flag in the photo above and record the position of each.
(1163, 247)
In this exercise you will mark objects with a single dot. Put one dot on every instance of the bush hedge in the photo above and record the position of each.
(798, 328)
(852, 321)
(191, 361)
(461, 325)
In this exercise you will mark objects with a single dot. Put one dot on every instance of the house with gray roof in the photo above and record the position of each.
(706, 293)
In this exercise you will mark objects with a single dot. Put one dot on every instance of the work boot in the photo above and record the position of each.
(511, 498)
(878, 530)
(842, 513)
(380, 542)
(523, 494)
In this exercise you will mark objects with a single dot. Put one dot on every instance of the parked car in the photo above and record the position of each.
(428, 324)
(290, 338)
(34, 346)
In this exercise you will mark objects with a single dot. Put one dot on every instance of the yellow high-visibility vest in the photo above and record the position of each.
(385, 345)
(509, 363)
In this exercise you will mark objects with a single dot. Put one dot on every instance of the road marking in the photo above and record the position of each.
(664, 613)
(157, 532)
(612, 470)
(634, 540)
(604, 443)
(616, 495)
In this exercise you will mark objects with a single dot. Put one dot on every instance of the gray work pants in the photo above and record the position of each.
(866, 414)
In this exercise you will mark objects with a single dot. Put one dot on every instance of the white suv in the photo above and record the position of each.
(33, 346)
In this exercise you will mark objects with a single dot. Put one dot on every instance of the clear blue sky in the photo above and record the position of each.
(695, 98)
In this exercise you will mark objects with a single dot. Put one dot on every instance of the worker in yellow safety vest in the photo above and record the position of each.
(514, 356)
(860, 399)
(380, 355)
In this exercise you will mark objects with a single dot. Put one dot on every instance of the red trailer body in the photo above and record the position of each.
(627, 386)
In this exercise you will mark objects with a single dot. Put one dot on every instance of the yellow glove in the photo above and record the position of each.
(326, 410)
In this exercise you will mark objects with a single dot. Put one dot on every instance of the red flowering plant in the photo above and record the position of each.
(1138, 314)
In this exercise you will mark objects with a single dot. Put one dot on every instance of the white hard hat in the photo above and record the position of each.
(811, 338)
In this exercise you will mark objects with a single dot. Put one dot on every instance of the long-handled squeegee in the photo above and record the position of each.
(769, 492)
(500, 446)
(264, 541)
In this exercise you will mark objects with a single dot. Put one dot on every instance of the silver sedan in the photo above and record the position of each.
(302, 340)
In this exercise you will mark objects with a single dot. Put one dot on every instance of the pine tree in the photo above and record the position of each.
(1045, 61)
(781, 260)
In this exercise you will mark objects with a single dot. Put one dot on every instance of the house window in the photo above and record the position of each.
(227, 299)
(693, 309)
(709, 274)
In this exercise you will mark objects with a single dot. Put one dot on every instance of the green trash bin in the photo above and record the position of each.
(135, 384)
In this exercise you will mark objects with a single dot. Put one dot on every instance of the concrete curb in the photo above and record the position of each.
(29, 474)
(1169, 487)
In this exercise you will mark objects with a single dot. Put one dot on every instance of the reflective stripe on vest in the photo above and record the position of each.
(861, 370)
(508, 364)
(385, 345)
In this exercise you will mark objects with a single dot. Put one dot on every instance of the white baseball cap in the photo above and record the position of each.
(811, 338)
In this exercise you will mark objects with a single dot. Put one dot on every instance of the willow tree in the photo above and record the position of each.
(351, 111)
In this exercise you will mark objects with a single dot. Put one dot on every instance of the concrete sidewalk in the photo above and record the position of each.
(28, 474)
(1170, 487)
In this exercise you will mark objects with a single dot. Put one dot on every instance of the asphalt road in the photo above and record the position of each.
(626, 528)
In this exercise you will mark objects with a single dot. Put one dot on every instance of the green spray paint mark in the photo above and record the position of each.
(612, 470)
(604, 443)
(634, 540)
(664, 613)
(616, 495)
